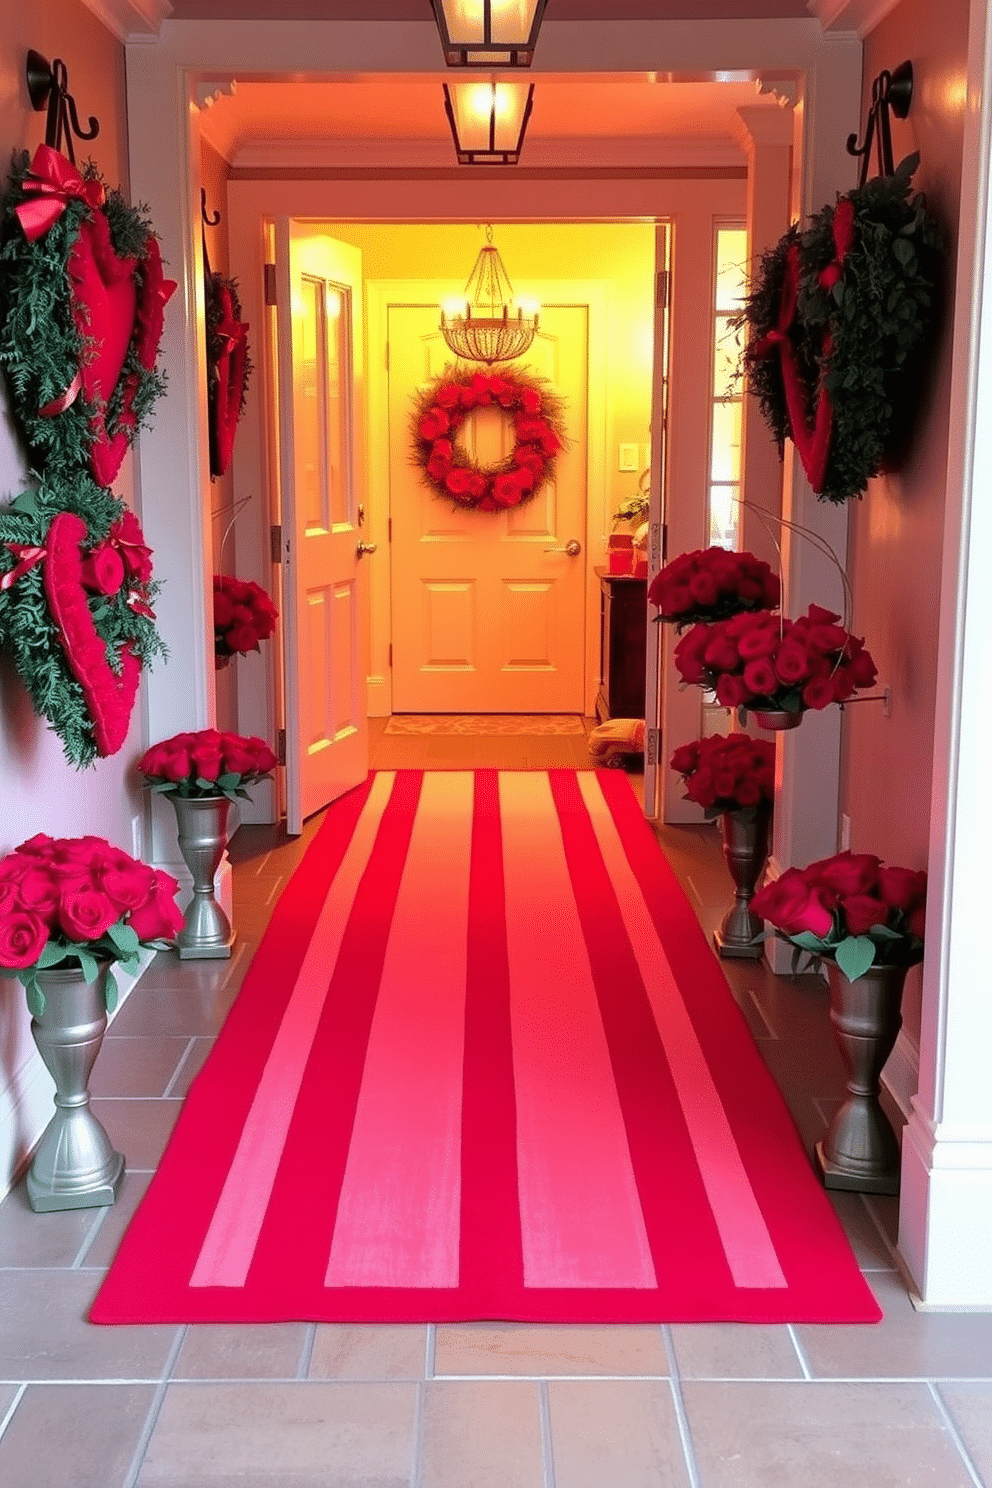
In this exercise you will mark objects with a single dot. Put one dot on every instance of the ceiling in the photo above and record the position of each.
(419, 10)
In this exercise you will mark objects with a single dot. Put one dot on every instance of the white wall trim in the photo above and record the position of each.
(414, 154)
(26, 1097)
(901, 1075)
(131, 20)
(859, 16)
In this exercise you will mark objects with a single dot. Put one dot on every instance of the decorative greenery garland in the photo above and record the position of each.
(443, 406)
(838, 312)
(50, 645)
(59, 226)
(229, 366)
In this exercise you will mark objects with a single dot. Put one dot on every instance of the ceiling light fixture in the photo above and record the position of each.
(488, 324)
(488, 120)
(488, 33)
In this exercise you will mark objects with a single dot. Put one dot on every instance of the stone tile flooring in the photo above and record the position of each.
(908, 1403)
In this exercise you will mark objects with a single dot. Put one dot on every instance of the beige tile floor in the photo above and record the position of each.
(908, 1403)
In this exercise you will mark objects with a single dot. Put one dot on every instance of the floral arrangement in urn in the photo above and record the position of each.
(206, 763)
(712, 584)
(68, 901)
(773, 665)
(243, 615)
(851, 909)
(730, 772)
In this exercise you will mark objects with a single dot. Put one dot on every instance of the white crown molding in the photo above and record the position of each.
(131, 20)
(632, 152)
(762, 126)
(785, 91)
(860, 16)
(206, 94)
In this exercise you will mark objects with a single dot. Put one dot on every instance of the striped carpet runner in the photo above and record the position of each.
(484, 1065)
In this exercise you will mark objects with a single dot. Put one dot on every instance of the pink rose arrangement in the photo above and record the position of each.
(68, 901)
(730, 772)
(767, 663)
(243, 615)
(852, 909)
(712, 584)
(206, 763)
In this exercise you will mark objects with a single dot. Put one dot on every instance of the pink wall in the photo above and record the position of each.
(214, 170)
(896, 531)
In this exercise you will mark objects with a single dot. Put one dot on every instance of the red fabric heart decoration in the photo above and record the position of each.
(109, 697)
(116, 302)
(811, 429)
(227, 381)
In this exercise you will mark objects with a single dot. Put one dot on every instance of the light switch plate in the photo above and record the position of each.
(628, 457)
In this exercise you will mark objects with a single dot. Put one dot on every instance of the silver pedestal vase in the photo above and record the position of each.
(860, 1150)
(75, 1165)
(745, 848)
(206, 932)
(776, 720)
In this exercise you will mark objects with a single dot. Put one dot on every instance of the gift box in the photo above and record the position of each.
(620, 553)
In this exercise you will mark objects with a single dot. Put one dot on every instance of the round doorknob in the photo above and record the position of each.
(573, 548)
(364, 548)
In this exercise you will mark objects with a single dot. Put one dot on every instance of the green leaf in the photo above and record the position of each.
(808, 940)
(854, 956)
(164, 785)
(206, 785)
(124, 938)
(35, 998)
(229, 780)
(110, 990)
(89, 964)
(884, 933)
(51, 954)
(27, 503)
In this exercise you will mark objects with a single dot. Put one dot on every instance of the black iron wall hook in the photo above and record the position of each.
(211, 219)
(890, 90)
(49, 84)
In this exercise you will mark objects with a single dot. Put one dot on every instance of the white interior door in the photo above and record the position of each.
(488, 607)
(325, 587)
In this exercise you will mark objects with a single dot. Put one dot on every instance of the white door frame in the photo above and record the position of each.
(379, 295)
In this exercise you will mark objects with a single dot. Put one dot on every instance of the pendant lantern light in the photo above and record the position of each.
(488, 33)
(488, 120)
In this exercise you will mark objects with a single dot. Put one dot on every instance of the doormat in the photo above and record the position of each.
(535, 724)
(485, 1065)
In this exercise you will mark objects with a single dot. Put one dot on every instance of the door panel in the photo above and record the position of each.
(325, 586)
(487, 616)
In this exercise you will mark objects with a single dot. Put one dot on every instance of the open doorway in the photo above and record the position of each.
(595, 347)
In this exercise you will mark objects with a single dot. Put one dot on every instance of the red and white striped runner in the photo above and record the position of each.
(484, 1065)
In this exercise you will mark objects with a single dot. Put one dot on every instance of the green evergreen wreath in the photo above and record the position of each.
(122, 619)
(48, 333)
(860, 281)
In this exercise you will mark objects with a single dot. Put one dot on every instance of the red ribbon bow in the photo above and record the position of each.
(27, 557)
(53, 182)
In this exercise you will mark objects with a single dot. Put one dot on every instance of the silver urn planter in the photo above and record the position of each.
(74, 1165)
(206, 932)
(745, 849)
(860, 1150)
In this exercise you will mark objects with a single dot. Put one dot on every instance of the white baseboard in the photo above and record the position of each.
(27, 1089)
(901, 1076)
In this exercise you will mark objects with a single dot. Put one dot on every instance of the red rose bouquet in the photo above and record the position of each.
(851, 909)
(207, 763)
(770, 664)
(243, 615)
(727, 773)
(79, 900)
(712, 584)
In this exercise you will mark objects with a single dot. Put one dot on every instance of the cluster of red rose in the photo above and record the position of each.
(726, 772)
(763, 661)
(70, 890)
(243, 615)
(853, 891)
(536, 441)
(711, 584)
(207, 755)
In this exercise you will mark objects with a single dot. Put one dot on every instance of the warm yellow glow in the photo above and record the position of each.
(483, 98)
(523, 306)
(454, 309)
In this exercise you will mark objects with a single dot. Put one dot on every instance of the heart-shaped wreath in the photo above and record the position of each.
(75, 610)
(442, 406)
(83, 297)
(837, 317)
(228, 367)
